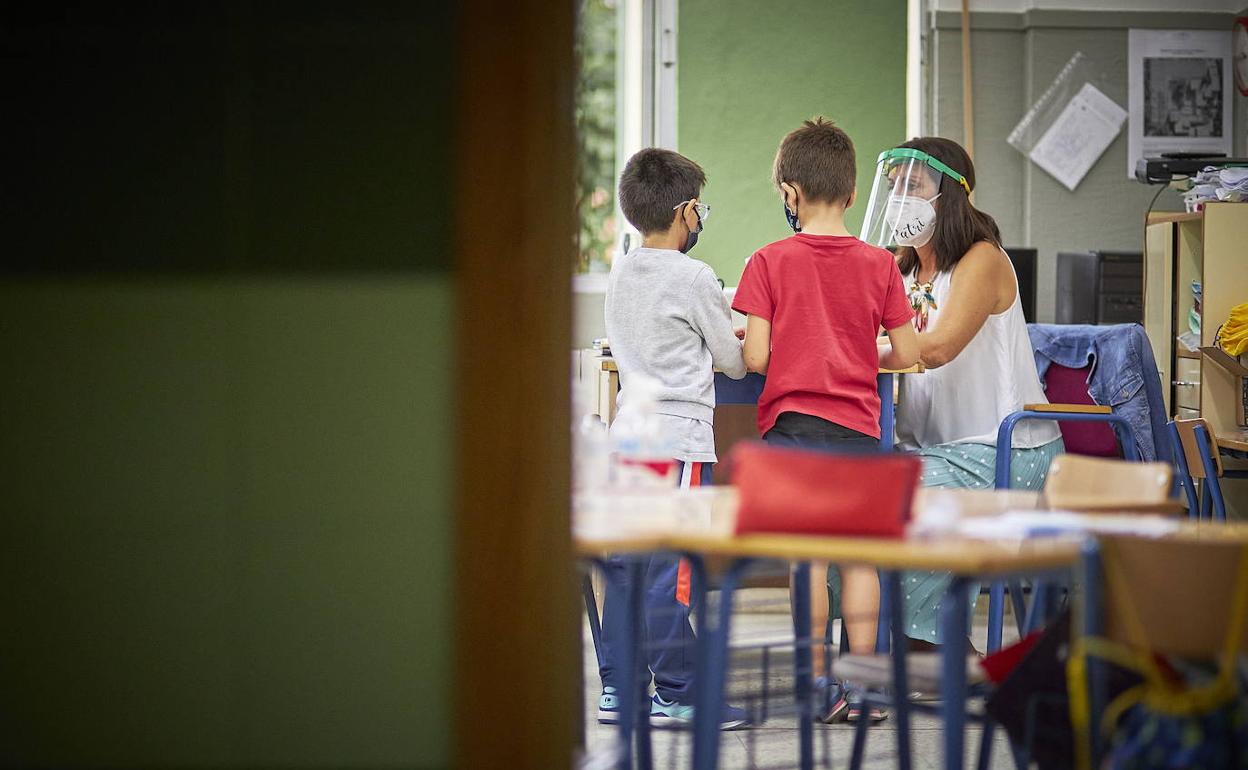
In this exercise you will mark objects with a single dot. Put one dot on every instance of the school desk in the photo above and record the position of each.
(1234, 444)
(747, 390)
(704, 535)
(705, 532)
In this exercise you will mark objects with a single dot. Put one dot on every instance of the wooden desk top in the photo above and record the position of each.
(961, 556)
(709, 532)
(1236, 441)
(916, 369)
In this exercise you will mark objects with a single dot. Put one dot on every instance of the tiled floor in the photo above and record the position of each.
(760, 617)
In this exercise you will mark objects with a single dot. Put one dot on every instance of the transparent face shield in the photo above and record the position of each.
(901, 209)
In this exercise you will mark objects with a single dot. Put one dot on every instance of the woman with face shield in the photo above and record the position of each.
(972, 338)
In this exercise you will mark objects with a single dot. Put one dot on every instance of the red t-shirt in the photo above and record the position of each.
(826, 297)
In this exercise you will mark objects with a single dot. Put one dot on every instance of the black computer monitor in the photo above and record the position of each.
(1025, 268)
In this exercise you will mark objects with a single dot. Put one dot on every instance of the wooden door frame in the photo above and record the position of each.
(517, 667)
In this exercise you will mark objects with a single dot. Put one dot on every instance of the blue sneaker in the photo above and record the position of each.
(665, 713)
(873, 713)
(831, 704)
(608, 706)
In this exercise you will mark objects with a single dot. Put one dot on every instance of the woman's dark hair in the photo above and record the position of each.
(959, 225)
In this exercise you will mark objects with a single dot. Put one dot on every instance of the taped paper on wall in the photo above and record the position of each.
(1179, 93)
(1079, 135)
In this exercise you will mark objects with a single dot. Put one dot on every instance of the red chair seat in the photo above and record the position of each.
(1064, 385)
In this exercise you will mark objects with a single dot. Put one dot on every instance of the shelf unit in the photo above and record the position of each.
(1179, 216)
(1210, 246)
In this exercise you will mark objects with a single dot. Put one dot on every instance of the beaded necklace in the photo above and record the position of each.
(921, 301)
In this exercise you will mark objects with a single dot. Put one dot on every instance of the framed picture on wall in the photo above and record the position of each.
(1179, 93)
(1239, 35)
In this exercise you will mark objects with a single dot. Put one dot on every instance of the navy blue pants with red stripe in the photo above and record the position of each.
(669, 642)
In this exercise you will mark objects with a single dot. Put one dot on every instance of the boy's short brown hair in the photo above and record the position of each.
(819, 158)
(653, 183)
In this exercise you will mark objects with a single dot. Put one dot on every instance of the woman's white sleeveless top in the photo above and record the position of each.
(964, 401)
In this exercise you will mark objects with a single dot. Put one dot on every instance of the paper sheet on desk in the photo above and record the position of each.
(1079, 135)
(1019, 525)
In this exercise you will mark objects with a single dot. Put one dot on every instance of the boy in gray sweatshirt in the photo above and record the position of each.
(669, 322)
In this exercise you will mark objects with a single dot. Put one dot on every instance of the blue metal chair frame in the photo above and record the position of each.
(1028, 619)
(712, 662)
(747, 390)
(1183, 474)
(1005, 435)
(634, 705)
(1093, 625)
(1211, 504)
(1005, 438)
(954, 618)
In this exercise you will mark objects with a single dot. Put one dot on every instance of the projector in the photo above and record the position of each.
(1169, 165)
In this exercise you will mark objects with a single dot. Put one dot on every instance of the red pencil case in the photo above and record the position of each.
(823, 493)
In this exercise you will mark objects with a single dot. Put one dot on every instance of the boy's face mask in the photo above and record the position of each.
(790, 217)
(790, 214)
(692, 240)
(912, 220)
(700, 211)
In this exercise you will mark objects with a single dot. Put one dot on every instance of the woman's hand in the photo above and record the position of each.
(982, 284)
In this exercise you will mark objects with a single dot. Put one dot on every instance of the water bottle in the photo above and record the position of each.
(591, 451)
(641, 450)
(590, 446)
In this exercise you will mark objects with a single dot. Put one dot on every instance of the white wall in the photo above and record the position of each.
(1013, 61)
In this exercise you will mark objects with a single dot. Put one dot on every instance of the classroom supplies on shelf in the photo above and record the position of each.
(1232, 335)
(1191, 338)
(1213, 183)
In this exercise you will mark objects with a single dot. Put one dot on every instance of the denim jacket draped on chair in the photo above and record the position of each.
(1123, 374)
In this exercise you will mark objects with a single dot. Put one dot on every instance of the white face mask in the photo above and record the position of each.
(911, 219)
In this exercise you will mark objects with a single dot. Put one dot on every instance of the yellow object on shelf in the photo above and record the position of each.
(1233, 336)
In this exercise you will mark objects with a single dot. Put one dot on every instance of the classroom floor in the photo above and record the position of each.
(760, 617)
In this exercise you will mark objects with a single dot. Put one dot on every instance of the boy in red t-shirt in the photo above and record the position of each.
(816, 302)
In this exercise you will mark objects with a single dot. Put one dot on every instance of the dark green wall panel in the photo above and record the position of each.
(225, 384)
(227, 504)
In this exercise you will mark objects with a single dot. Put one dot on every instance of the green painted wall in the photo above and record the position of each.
(226, 507)
(226, 398)
(748, 77)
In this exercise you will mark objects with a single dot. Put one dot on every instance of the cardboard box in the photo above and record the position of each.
(1238, 368)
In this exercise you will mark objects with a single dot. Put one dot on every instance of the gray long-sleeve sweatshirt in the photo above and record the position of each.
(668, 320)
